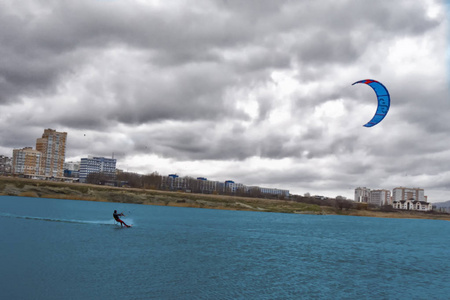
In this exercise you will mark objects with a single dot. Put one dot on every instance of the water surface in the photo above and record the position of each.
(66, 249)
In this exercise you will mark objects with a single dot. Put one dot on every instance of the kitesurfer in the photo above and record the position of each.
(116, 217)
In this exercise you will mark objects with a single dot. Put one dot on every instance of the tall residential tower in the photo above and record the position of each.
(403, 193)
(52, 145)
(362, 194)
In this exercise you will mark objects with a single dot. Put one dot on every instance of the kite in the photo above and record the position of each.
(384, 100)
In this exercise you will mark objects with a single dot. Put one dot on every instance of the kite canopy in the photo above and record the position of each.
(384, 100)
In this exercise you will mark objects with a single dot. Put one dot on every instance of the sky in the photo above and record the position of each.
(258, 92)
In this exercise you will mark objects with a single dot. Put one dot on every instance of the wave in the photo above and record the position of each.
(95, 222)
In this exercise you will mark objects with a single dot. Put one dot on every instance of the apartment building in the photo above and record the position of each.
(410, 199)
(273, 191)
(52, 145)
(403, 193)
(208, 186)
(174, 182)
(106, 166)
(233, 187)
(380, 197)
(26, 161)
(5, 165)
(362, 194)
(402, 198)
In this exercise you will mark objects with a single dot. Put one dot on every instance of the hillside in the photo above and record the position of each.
(76, 191)
(445, 204)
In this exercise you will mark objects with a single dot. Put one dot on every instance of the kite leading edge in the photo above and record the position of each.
(384, 100)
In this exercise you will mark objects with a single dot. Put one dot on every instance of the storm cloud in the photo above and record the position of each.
(254, 91)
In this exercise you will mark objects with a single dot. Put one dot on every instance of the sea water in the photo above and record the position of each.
(68, 249)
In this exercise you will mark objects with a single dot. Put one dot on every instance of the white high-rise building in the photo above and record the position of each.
(362, 194)
(380, 197)
(106, 166)
(403, 193)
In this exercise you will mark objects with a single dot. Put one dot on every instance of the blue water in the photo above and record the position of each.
(66, 249)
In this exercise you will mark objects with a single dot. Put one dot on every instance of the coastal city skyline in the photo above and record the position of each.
(261, 95)
(47, 161)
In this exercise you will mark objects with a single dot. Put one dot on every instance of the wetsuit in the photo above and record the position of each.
(116, 217)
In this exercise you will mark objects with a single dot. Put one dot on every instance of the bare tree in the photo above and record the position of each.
(151, 181)
(343, 204)
(134, 180)
(98, 178)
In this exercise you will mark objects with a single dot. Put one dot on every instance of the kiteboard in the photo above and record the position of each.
(123, 227)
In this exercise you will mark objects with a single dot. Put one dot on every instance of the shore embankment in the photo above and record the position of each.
(12, 186)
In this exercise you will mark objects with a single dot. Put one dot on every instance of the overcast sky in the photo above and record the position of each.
(259, 92)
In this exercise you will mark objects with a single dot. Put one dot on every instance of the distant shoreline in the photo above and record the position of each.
(11, 186)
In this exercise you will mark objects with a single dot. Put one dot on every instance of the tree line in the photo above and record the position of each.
(156, 181)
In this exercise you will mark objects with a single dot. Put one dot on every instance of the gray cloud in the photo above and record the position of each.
(259, 92)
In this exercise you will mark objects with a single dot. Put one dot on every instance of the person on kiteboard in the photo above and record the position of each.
(116, 217)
